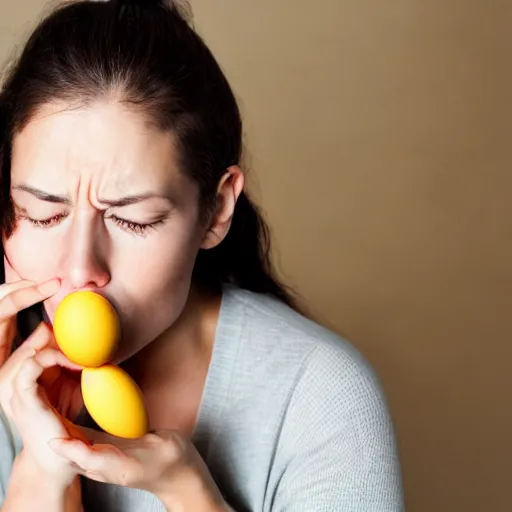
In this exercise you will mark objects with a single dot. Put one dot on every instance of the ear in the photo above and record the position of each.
(229, 190)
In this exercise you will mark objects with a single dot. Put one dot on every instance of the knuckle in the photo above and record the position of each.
(172, 449)
(132, 474)
(166, 443)
(41, 337)
(153, 438)
(124, 479)
(5, 289)
(7, 306)
(45, 355)
(22, 381)
(15, 300)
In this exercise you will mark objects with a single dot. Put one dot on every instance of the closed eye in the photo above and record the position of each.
(46, 223)
(137, 228)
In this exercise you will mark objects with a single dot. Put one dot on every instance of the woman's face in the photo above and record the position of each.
(101, 205)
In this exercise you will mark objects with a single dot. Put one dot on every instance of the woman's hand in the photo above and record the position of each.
(37, 416)
(61, 386)
(26, 403)
(14, 298)
(162, 463)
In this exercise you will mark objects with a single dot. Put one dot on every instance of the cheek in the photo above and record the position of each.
(154, 285)
(29, 258)
(160, 274)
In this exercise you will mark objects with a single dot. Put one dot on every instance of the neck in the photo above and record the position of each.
(171, 371)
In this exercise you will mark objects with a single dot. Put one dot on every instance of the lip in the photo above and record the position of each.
(51, 304)
(98, 291)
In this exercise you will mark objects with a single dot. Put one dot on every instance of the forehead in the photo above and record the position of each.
(106, 142)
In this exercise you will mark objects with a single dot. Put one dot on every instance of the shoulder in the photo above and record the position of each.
(316, 352)
(320, 370)
(334, 444)
(266, 314)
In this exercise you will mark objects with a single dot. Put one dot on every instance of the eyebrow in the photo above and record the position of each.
(43, 196)
(113, 203)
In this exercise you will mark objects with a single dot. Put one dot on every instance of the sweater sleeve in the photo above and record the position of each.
(337, 449)
(9, 448)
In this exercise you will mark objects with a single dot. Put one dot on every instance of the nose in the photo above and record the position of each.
(86, 264)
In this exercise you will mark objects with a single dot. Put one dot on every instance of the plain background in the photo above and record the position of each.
(378, 136)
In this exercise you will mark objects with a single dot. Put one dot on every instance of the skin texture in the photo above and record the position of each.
(91, 156)
(105, 153)
(101, 204)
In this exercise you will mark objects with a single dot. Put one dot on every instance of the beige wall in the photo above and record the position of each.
(379, 138)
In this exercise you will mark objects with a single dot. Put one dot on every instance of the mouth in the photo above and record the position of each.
(50, 305)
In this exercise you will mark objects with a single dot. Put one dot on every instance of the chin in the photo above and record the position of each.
(122, 355)
(126, 351)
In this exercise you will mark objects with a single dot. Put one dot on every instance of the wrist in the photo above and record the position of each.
(192, 491)
(30, 471)
(32, 489)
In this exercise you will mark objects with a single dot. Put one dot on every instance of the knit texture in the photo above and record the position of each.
(292, 419)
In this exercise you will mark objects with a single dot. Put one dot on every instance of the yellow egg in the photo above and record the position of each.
(86, 328)
(114, 401)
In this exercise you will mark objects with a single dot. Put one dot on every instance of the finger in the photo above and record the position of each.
(25, 382)
(7, 288)
(103, 463)
(38, 339)
(8, 324)
(26, 296)
(42, 337)
(8, 327)
(53, 357)
(98, 437)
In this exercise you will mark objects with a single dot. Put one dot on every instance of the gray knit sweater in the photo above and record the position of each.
(292, 419)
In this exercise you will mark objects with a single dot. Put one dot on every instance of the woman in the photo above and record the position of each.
(121, 142)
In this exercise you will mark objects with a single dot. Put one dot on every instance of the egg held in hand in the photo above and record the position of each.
(114, 401)
(86, 328)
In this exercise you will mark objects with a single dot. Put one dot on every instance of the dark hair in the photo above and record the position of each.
(147, 54)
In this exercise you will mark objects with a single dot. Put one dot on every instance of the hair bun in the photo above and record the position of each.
(183, 8)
